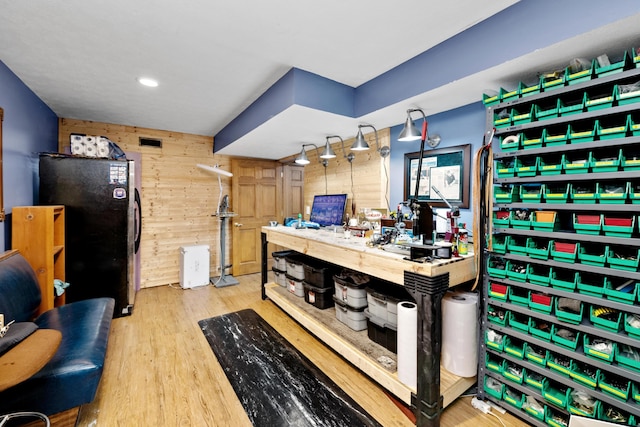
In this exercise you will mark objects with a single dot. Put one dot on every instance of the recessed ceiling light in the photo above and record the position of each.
(145, 81)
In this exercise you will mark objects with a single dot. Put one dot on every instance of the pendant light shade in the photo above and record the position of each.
(360, 144)
(409, 131)
(328, 152)
(302, 159)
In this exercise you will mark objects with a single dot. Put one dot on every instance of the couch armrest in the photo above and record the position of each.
(72, 376)
(28, 357)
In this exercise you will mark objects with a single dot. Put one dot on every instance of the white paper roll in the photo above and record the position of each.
(408, 343)
(77, 147)
(460, 334)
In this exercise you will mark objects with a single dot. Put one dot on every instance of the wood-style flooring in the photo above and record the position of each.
(160, 370)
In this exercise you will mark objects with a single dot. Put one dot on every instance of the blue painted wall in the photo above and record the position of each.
(296, 87)
(29, 127)
(531, 25)
(464, 125)
(525, 27)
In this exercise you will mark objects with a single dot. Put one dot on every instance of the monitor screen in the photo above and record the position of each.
(328, 209)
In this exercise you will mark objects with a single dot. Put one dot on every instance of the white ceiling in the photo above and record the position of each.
(214, 58)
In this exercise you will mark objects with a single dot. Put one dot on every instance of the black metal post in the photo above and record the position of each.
(428, 293)
(265, 244)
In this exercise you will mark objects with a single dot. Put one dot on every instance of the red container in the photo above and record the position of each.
(541, 299)
(498, 288)
(502, 214)
(619, 222)
(588, 219)
(565, 247)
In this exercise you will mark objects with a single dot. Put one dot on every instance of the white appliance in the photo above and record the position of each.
(194, 266)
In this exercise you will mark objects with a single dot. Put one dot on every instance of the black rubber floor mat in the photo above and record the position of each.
(277, 385)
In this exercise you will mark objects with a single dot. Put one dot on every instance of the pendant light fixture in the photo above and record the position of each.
(303, 159)
(410, 133)
(360, 144)
(328, 152)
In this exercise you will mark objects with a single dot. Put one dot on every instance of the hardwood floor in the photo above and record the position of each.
(160, 370)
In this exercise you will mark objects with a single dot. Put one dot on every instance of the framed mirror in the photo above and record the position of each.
(445, 169)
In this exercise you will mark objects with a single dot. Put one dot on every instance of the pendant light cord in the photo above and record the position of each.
(326, 185)
(353, 194)
(386, 187)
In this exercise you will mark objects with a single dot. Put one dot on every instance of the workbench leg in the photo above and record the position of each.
(265, 244)
(428, 293)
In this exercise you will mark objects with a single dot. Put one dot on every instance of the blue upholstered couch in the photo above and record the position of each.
(72, 376)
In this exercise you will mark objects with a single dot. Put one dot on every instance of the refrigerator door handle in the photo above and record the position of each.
(137, 220)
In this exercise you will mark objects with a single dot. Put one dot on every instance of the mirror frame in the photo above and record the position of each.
(463, 167)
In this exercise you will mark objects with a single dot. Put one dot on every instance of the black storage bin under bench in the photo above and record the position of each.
(382, 332)
(319, 274)
(319, 297)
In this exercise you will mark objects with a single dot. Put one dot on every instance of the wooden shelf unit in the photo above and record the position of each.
(39, 234)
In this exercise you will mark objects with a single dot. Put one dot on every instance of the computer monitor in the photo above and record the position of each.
(328, 209)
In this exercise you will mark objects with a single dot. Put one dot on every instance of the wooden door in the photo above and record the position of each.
(256, 199)
(293, 191)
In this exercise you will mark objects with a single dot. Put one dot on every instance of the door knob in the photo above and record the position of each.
(237, 224)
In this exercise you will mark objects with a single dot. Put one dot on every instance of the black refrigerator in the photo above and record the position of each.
(102, 230)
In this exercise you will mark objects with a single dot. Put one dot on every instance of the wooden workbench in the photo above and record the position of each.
(435, 390)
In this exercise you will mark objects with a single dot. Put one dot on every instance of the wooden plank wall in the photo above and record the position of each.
(178, 198)
(370, 171)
